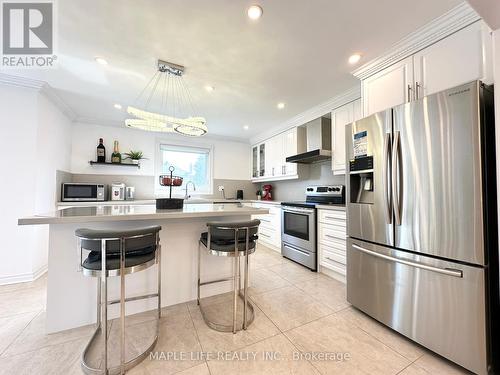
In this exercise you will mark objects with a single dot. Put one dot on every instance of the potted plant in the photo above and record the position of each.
(259, 195)
(135, 156)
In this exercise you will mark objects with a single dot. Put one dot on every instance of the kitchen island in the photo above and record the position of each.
(71, 297)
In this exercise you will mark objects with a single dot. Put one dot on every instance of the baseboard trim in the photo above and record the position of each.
(23, 277)
(334, 275)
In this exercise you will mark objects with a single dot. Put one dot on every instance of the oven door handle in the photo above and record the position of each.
(307, 211)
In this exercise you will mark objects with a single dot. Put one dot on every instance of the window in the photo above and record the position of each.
(191, 163)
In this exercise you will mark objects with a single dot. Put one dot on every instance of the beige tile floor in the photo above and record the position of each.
(298, 313)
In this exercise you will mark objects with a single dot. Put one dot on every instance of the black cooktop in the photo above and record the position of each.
(315, 195)
(303, 204)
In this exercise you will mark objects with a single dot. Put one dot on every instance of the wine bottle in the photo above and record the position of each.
(116, 157)
(101, 152)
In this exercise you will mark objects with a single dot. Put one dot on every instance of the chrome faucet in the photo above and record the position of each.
(187, 196)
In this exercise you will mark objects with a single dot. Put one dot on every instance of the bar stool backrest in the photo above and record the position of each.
(227, 231)
(134, 239)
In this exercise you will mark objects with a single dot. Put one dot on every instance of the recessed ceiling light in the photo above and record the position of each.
(353, 59)
(254, 12)
(280, 105)
(101, 60)
(118, 106)
(245, 127)
(209, 88)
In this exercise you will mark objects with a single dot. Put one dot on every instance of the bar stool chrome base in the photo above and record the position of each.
(240, 248)
(229, 327)
(89, 370)
(89, 239)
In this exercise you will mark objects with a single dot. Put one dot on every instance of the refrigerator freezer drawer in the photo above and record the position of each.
(439, 304)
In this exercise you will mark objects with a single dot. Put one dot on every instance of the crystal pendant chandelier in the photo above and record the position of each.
(167, 105)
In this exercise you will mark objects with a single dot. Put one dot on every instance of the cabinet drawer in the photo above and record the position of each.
(330, 233)
(330, 254)
(337, 247)
(269, 236)
(333, 217)
(330, 263)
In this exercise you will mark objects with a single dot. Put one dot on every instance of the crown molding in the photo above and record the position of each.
(53, 97)
(455, 19)
(311, 114)
(18, 81)
(42, 87)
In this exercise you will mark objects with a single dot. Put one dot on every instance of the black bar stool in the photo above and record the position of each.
(230, 239)
(118, 253)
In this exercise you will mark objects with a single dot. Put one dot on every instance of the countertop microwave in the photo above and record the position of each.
(82, 192)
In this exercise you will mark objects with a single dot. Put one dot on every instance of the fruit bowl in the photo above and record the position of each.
(168, 180)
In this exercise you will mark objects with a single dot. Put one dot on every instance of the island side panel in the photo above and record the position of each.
(71, 297)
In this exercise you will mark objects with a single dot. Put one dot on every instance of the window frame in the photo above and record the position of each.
(182, 146)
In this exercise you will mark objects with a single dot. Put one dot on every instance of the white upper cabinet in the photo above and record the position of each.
(276, 150)
(458, 59)
(274, 147)
(340, 118)
(290, 148)
(388, 88)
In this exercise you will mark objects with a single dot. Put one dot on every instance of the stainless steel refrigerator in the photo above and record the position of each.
(422, 253)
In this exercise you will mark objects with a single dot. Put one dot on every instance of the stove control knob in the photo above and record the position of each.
(330, 189)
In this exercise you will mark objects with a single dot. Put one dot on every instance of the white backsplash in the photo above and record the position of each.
(313, 174)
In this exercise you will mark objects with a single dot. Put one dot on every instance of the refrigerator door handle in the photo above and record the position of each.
(396, 167)
(444, 271)
(386, 178)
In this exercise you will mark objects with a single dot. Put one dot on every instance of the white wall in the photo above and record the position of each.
(231, 159)
(17, 132)
(53, 152)
(36, 139)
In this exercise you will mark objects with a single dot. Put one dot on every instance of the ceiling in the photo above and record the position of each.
(296, 53)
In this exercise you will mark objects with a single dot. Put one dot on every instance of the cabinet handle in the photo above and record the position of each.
(417, 88)
(409, 93)
(333, 237)
(284, 169)
(334, 218)
(334, 261)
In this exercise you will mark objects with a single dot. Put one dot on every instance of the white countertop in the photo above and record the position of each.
(331, 207)
(106, 213)
(152, 201)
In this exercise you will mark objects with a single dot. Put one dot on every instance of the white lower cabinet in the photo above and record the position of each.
(332, 242)
(270, 226)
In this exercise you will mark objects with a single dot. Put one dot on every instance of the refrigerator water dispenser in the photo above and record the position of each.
(361, 179)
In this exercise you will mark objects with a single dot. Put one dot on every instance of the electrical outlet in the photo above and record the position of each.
(221, 188)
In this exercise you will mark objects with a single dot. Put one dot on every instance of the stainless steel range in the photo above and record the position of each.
(298, 223)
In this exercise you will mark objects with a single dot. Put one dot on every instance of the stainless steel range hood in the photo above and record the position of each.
(319, 142)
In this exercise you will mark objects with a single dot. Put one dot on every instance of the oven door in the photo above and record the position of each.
(299, 227)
